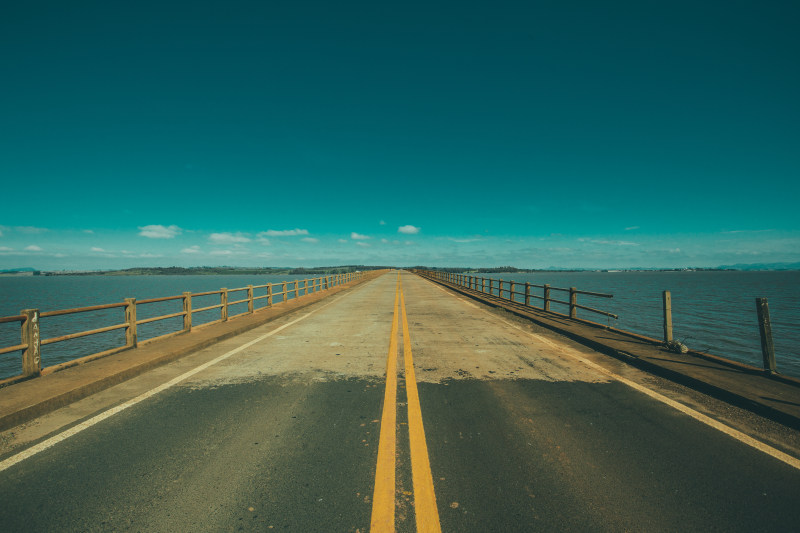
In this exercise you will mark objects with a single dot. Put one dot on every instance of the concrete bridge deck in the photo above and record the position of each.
(504, 426)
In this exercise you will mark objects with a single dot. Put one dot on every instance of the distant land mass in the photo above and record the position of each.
(216, 271)
(342, 269)
(763, 266)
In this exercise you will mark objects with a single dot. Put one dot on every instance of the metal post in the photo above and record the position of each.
(546, 297)
(765, 328)
(130, 320)
(573, 301)
(667, 297)
(31, 355)
(187, 311)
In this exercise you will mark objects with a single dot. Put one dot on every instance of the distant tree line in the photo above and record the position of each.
(488, 270)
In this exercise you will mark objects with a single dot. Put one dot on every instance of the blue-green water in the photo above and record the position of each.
(50, 293)
(712, 311)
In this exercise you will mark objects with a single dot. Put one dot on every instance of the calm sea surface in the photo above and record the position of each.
(51, 293)
(712, 311)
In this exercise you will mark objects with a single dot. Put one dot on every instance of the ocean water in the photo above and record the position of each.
(52, 293)
(713, 312)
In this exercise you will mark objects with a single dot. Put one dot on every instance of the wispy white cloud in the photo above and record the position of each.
(6, 249)
(228, 238)
(89, 231)
(29, 230)
(191, 250)
(382, 222)
(310, 239)
(408, 229)
(363, 244)
(157, 231)
(342, 241)
(33, 248)
(228, 252)
(96, 249)
(283, 233)
(631, 228)
(608, 242)
(359, 237)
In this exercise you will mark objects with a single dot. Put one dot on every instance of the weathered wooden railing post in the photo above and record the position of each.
(130, 319)
(285, 293)
(500, 288)
(187, 311)
(31, 355)
(573, 301)
(269, 294)
(223, 300)
(250, 303)
(511, 291)
(546, 297)
(527, 294)
(326, 282)
(765, 328)
(667, 298)
(483, 285)
(296, 290)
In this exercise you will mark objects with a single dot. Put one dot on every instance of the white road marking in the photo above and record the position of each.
(52, 441)
(719, 426)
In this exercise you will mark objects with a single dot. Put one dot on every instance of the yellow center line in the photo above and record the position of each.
(383, 494)
(424, 496)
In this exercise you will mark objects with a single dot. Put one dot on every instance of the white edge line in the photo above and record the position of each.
(74, 430)
(700, 417)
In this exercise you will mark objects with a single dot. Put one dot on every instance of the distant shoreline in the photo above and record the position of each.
(226, 271)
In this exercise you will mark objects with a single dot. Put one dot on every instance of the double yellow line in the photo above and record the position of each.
(383, 496)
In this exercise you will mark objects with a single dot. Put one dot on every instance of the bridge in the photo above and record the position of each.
(400, 402)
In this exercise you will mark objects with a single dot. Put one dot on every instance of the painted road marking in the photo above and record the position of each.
(700, 417)
(74, 430)
(383, 499)
(424, 496)
(382, 519)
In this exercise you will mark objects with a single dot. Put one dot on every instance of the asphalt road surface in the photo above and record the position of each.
(282, 429)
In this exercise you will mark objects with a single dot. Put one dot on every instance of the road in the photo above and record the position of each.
(290, 427)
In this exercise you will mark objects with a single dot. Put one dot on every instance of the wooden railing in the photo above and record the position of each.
(507, 291)
(29, 319)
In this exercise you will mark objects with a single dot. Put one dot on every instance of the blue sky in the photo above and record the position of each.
(536, 134)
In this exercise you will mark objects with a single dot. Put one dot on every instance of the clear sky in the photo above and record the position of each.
(300, 133)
